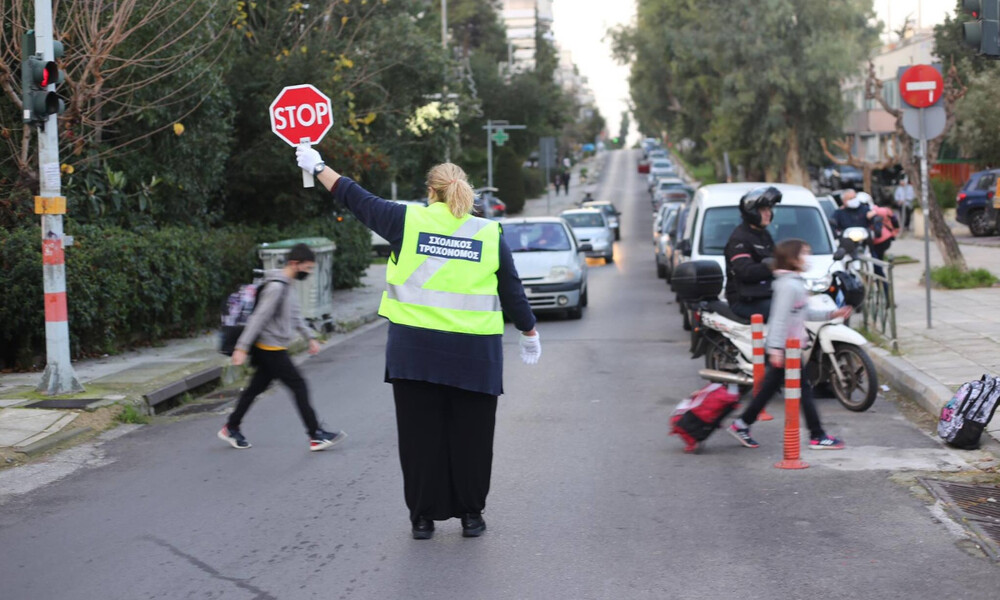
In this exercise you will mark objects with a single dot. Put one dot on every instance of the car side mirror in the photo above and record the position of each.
(585, 248)
(685, 247)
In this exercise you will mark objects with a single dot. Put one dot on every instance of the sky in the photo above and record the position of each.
(580, 26)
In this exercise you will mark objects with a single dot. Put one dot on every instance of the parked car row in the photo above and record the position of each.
(977, 205)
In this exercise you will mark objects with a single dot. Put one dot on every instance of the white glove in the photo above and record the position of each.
(531, 348)
(308, 159)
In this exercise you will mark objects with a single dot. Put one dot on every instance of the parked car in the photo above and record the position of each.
(828, 204)
(610, 212)
(551, 263)
(659, 153)
(836, 177)
(676, 236)
(715, 214)
(975, 203)
(658, 169)
(590, 226)
(379, 244)
(671, 189)
(662, 247)
(487, 205)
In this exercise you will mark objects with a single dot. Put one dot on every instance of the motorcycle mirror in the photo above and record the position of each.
(840, 253)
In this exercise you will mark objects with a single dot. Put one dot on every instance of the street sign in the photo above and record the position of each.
(921, 86)
(934, 121)
(499, 138)
(546, 152)
(301, 114)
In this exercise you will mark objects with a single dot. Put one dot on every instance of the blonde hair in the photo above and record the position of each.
(450, 185)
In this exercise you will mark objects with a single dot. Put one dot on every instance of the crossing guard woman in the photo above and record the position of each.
(448, 278)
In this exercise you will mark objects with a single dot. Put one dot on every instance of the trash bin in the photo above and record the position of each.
(316, 292)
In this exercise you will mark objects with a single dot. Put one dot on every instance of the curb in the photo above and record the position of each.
(926, 391)
(53, 440)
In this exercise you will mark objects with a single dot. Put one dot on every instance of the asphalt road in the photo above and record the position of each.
(591, 499)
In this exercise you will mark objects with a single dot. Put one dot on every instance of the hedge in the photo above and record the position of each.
(133, 288)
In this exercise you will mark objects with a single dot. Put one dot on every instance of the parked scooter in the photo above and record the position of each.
(835, 353)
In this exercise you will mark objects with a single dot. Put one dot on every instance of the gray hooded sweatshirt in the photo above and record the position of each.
(265, 328)
(789, 311)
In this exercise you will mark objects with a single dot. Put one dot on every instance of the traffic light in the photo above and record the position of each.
(38, 80)
(983, 34)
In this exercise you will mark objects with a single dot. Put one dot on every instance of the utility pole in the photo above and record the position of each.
(444, 91)
(59, 377)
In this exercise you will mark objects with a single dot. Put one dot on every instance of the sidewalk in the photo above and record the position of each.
(143, 378)
(964, 340)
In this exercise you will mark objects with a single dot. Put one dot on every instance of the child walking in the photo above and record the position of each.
(267, 335)
(789, 312)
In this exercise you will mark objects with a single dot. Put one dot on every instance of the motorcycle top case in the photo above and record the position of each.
(697, 280)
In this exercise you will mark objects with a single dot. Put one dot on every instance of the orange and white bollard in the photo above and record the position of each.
(757, 335)
(793, 395)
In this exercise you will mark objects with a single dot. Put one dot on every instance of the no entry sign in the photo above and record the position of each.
(301, 114)
(921, 86)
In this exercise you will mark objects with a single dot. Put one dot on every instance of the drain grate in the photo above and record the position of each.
(64, 403)
(978, 506)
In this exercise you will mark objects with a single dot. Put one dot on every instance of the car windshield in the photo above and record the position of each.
(802, 222)
(606, 208)
(593, 219)
(532, 237)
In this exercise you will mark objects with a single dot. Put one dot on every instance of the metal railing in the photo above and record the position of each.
(879, 308)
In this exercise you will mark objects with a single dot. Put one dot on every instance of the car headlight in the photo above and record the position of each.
(562, 273)
(818, 284)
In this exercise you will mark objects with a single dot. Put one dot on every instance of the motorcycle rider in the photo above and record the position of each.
(853, 212)
(748, 252)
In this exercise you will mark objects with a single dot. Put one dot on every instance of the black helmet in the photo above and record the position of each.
(755, 199)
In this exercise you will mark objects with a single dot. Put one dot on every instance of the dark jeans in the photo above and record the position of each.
(445, 448)
(773, 380)
(271, 365)
(748, 308)
(906, 213)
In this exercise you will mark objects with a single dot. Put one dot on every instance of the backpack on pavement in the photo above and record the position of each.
(236, 312)
(966, 415)
(696, 417)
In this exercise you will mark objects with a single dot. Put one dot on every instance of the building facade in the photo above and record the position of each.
(522, 19)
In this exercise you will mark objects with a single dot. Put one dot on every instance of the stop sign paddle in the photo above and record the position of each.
(301, 115)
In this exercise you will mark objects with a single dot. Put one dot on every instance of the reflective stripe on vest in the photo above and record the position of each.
(464, 255)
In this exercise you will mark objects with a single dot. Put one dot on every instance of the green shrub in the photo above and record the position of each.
(534, 183)
(510, 181)
(945, 191)
(953, 279)
(135, 287)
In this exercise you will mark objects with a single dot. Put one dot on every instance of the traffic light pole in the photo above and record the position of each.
(492, 127)
(59, 377)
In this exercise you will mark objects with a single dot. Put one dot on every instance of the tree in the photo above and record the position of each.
(763, 83)
(623, 129)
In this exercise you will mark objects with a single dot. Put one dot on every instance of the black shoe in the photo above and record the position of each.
(473, 525)
(321, 440)
(234, 438)
(423, 528)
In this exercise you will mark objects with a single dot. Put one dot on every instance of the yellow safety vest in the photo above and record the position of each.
(445, 277)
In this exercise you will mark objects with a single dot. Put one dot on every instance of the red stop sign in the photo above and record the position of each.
(301, 113)
(921, 86)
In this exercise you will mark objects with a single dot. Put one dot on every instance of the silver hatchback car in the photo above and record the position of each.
(551, 263)
(590, 226)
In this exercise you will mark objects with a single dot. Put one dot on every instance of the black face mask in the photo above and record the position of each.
(301, 275)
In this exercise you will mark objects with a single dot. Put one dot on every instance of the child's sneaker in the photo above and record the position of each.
(742, 435)
(321, 440)
(826, 443)
(234, 438)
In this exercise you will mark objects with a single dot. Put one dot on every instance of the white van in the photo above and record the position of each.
(715, 213)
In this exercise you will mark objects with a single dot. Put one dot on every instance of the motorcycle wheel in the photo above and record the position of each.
(721, 358)
(858, 391)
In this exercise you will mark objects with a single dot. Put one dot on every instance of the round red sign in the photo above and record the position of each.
(301, 113)
(921, 86)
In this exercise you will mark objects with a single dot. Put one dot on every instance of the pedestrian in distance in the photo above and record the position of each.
(270, 330)
(853, 212)
(903, 197)
(557, 181)
(789, 312)
(884, 228)
(449, 281)
(565, 181)
(749, 249)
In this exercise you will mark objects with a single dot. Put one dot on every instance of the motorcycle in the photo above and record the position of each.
(834, 354)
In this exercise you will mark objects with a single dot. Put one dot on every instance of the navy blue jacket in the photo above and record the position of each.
(844, 217)
(469, 362)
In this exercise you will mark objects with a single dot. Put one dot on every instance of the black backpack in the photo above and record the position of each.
(236, 312)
